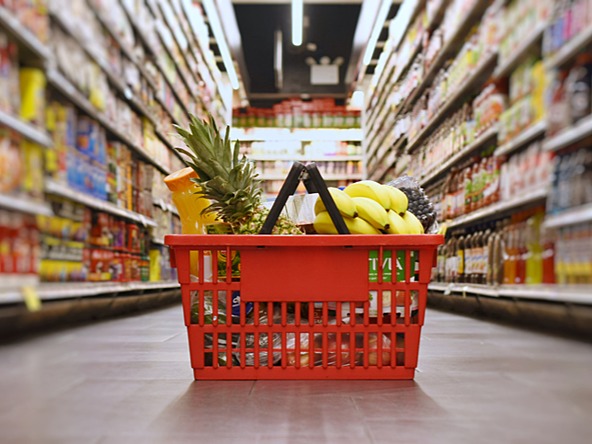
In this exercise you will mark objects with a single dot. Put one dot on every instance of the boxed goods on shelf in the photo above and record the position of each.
(21, 166)
(32, 15)
(9, 76)
(519, 21)
(19, 244)
(528, 85)
(566, 22)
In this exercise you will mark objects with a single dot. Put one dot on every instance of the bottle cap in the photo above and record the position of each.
(180, 180)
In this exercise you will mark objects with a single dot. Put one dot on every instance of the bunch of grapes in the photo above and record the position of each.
(421, 206)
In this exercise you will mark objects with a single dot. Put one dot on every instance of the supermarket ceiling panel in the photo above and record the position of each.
(276, 69)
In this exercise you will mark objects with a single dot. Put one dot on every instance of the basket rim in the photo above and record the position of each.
(407, 241)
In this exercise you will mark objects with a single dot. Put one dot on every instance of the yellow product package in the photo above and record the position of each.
(32, 85)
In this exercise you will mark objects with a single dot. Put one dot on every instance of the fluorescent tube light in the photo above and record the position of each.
(278, 60)
(221, 42)
(297, 19)
(378, 25)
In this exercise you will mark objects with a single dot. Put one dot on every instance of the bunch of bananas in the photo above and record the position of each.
(368, 207)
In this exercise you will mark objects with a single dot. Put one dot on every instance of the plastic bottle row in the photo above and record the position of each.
(489, 179)
(517, 250)
(511, 251)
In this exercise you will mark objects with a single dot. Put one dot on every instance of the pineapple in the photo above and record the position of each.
(228, 180)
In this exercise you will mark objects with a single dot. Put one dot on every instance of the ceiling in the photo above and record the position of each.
(328, 37)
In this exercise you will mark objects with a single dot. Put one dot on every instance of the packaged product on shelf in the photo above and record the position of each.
(579, 87)
(510, 251)
(571, 183)
(19, 244)
(573, 257)
(528, 86)
(568, 19)
(9, 76)
(11, 162)
(32, 91)
(32, 15)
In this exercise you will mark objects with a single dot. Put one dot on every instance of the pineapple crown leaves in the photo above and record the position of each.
(228, 180)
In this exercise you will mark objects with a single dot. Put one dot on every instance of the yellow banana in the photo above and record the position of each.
(370, 189)
(324, 225)
(372, 212)
(344, 202)
(397, 224)
(413, 223)
(360, 226)
(399, 201)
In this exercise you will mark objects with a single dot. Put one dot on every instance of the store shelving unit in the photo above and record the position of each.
(296, 134)
(571, 49)
(299, 158)
(302, 136)
(377, 120)
(569, 136)
(500, 208)
(513, 60)
(567, 294)
(58, 189)
(76, 290)
(528, 135)
(326, 177)
(25, 37)
(192, 70)
(572, 216)
(384, 160)
(139, 30)
(475, 78)
(450, 48)
(471, 148)
(66, 88)
(24, 204)
(25, 129)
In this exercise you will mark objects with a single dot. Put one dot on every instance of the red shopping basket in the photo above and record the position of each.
(304, 307)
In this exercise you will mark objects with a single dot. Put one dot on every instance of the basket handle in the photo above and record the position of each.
(314, 183)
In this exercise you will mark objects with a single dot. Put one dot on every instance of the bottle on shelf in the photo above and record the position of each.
(548, 256)
(509, 255)
(462, 259)
(579, 85)
(534, 264)
(521, 253)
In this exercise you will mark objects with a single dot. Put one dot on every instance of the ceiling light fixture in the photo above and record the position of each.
(278, 60)
(378, 25)
(297, 21)
(221, 42)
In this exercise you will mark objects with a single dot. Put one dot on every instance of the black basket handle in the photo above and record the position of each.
(314, 183)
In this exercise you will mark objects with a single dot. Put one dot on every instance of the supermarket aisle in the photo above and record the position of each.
(128, 381)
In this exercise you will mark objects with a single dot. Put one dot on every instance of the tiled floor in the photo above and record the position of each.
(129, 381)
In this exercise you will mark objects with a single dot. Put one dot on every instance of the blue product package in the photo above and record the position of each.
(236, 305)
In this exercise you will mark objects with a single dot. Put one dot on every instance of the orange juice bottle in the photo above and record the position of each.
(190, 206)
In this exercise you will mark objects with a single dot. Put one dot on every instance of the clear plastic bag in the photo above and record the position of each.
(263, 342)
(346, 354)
